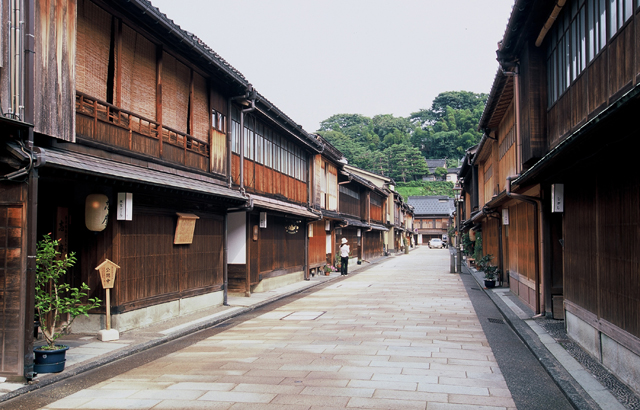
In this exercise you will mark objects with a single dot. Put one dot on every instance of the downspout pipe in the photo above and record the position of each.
(225, 269)
(536, 206)
(251, 96)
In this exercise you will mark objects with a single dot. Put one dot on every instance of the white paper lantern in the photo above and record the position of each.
(96, 212)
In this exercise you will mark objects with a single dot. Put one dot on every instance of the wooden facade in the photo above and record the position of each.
(556, 113)
(14, 284)
(320, 245)
(124, 101)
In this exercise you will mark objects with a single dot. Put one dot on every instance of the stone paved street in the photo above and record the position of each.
(400, 335)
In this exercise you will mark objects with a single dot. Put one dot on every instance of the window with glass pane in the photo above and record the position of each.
(268, 150)
(259, 149)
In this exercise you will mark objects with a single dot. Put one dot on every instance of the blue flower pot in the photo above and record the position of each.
(49, 361)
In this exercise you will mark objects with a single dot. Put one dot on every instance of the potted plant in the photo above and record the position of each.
(328, 269)
(490, 272)
(53, 299)
(337, 261)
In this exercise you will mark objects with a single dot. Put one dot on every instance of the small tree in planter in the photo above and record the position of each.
(490, 272)
(53, 298)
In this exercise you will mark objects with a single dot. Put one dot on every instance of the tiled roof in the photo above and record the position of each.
(170, 178)
(435, 163)
(431, 205)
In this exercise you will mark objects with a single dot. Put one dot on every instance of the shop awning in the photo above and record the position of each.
(283, 207)
(180, 180)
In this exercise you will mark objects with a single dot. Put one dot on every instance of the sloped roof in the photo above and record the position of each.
(151, 174)
(431, 205)
(436, 163)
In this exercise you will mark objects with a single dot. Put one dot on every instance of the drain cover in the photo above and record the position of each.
(498, 321)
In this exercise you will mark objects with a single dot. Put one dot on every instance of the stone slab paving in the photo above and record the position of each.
(401, 335)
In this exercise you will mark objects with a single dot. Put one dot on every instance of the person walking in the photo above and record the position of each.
(344, 257)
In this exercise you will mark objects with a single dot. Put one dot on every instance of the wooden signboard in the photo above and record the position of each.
(184, 229)
(107, 271)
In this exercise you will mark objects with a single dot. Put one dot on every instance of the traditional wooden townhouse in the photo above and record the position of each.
(433, 215)
(355, 213)
(121, 136)
(403, 224)
(324, 199)
(567, 237)
(269, 239)
(383, 195)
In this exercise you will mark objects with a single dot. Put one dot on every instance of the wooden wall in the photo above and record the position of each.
(614, 71)
(520, 256)
(490, 239)
(152, 266)
(135, 95)
(602, 258)
(580, 251)
(276, 252)
(13, 268)
(506, 148)
(373, 245)
(265, 180)
(55, 54)
(152, 269)
(318, 245)
(377, 211)
(350, 205)
(533, 97)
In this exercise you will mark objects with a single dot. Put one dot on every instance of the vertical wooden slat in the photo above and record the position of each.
(159, 75)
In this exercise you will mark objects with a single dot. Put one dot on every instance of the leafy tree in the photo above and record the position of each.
(457, 100)
(405, 162)
(340, 122)
(440, 172)
(388, 145)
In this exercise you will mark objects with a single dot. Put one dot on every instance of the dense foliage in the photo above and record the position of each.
(397, 146)
(425, 188)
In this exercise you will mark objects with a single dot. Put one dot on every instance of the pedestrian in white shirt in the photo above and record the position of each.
(344, 257)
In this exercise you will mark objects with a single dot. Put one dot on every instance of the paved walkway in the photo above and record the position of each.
(391, 336)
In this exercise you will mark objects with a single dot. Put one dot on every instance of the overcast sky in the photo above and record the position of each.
(317, 58)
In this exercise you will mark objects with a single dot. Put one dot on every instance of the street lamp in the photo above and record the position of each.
(457, 189)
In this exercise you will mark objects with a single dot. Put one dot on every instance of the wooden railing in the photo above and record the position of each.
(108, 124)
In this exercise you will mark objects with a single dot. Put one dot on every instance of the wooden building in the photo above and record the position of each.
(325, 193)
(383, 194)
(404, 234)
(565, 234)
(433, 216)
(355, 213)
(269, 239)
(113, 107)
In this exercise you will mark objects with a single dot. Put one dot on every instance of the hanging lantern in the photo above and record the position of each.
(96, 212)
(472, 235)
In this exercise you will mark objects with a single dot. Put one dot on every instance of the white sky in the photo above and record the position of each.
(317, 58)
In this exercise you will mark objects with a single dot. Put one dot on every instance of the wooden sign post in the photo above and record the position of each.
(107, 271)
